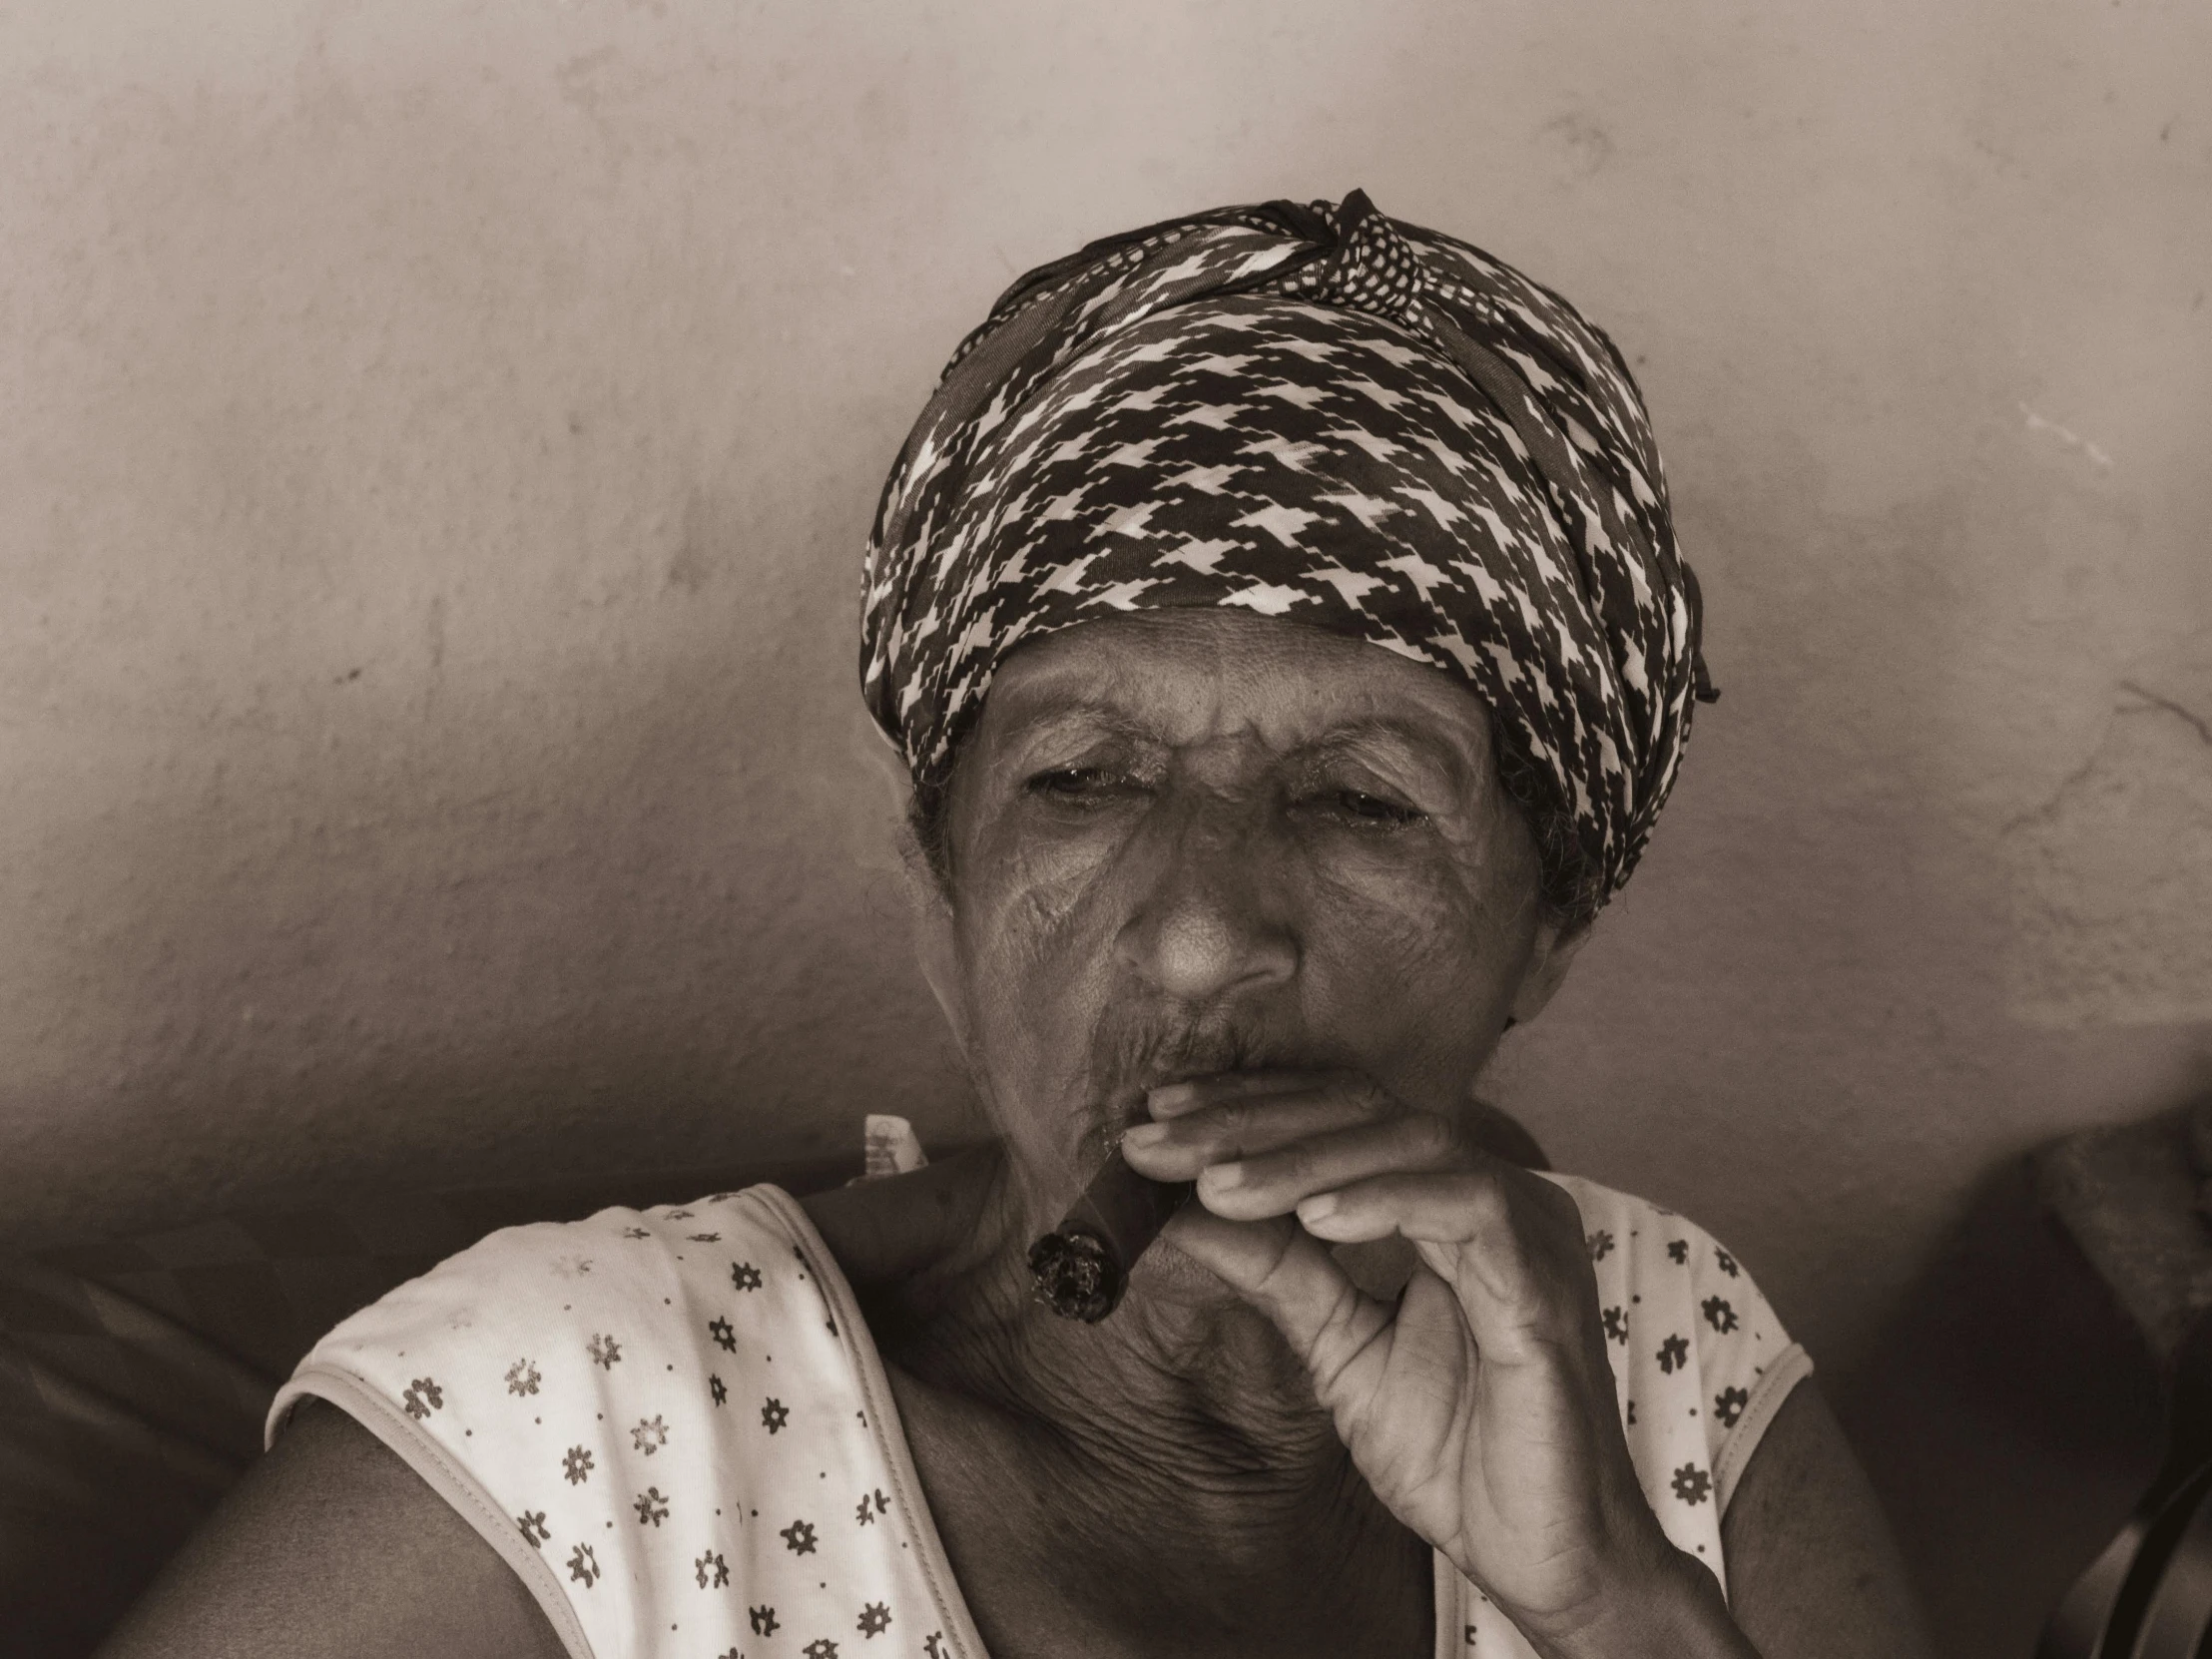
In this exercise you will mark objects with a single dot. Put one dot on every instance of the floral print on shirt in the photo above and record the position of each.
(586, 1380)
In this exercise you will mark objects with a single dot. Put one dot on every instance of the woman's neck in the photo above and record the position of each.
(1194, 1394)
(1161, 1483)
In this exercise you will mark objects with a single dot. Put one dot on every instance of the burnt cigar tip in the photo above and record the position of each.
(1076, 1275)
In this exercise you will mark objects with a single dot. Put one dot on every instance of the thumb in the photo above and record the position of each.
(1289, 1276)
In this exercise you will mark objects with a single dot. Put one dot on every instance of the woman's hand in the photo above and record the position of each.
(1480, 1407)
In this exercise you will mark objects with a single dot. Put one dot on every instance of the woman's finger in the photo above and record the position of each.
(1274, 1181)
(1175, 1100)
(1231, 1130)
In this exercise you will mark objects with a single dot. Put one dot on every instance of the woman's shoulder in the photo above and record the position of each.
(1700, 1357)
(1657, 1268)
(594, 1397)
(1622, 1228)
(571, 1309)
(609, 1287)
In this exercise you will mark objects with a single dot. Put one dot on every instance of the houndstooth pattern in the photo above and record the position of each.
(1316, 413)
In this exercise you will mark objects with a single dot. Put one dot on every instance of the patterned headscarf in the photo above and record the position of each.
(1316, 413)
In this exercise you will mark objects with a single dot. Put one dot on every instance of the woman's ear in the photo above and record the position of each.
(939, 953)
(936, 942)
(1554, 954)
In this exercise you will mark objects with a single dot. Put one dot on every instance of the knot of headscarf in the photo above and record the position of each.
(1318, 413)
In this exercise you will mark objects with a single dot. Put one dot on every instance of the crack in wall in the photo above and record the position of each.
(2152, 700)
(2066, 785)
(2152, 703)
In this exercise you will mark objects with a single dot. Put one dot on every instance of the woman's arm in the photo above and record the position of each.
(1812, 1572)
(332, 1548)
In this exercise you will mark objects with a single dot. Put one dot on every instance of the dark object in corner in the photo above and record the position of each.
(2149, 1594)
(1082, 1265)
(2134, 1198)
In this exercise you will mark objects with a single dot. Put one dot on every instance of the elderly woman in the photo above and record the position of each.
(1278, 613)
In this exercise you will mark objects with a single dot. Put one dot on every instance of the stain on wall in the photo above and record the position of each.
(2113, 874)
(437, 444)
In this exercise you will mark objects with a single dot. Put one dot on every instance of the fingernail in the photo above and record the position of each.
(1319, 1207)
(1225, 1177)
(1170, 1097)
(1143, 1135)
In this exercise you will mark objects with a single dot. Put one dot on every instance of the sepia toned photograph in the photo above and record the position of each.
(1014, 829)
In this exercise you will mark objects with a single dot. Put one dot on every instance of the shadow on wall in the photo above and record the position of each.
(631, 913)
(2009, 1420)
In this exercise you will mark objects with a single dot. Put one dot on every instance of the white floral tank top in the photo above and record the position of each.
(674, 1427)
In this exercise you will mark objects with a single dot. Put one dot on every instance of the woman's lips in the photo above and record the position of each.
(1124, 1107)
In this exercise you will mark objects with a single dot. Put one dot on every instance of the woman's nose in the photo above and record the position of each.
(1210, 925)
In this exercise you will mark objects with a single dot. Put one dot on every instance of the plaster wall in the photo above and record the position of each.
(436, 441)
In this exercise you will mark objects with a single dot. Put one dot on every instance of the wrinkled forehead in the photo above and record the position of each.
(1198, 678)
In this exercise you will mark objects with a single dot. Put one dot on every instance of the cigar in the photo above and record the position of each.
(1082, 1265)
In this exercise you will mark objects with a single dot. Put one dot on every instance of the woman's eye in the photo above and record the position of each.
(1370, 808)
(1075, 784)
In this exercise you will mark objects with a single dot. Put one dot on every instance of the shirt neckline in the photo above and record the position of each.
(883, 1423)
(890, 1435)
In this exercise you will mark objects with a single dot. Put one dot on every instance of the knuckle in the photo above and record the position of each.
(1230, 1126)
(1293, 1164)
(1430, 1137)
(1373, 1099)
(1486, 1201)
(1356, 1090)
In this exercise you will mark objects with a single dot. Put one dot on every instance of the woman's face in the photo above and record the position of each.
(1190, 842)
